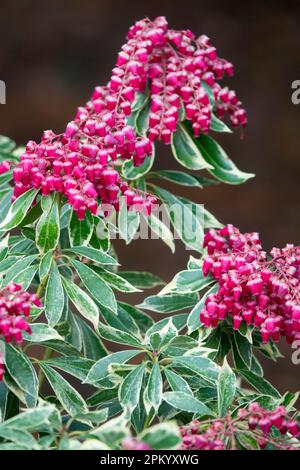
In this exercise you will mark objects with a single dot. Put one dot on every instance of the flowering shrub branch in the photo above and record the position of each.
(166, 384)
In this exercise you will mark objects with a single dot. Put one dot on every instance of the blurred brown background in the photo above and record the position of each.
(52, 53)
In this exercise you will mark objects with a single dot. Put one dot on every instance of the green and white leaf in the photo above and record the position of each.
(84, 304)
(226, 387)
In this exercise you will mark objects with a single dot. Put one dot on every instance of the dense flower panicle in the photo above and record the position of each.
(260, 290)
(15, 307)
(173, 67)
(221, 433)
(178, 74)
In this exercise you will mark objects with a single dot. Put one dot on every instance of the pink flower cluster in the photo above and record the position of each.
(177, 73)
(82, 163)
(15, 307)
(261, 290)
(130, 443)
(221, 433)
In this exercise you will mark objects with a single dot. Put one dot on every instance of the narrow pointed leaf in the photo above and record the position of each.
(84, 304)
(54, 297)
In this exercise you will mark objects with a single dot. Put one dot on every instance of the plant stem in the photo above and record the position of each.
(41, 375)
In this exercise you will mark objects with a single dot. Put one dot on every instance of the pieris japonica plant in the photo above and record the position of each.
(80, 369)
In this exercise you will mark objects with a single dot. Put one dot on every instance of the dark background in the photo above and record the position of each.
(53, 53)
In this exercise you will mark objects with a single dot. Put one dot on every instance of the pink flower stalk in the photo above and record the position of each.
(221, 433)
(260, 290)
(81, 163)
(15, 307)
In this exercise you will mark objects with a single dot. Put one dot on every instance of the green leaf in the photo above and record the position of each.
(259, 383)
(25, 277)
(141, 279)
(130, 389)
(8, 263)
(6, 144)
(132, 172)
(47, 228)
(63, 347)
(80, 231)
(188, 281)
(79, 367)
(5, 178)
(139, 101)
(222, 167)
(141, 319)
(186, 151)
(41, 332)
(45, 265)
(210, 220)
(178, 177)
(100, 369)
(186, 216)
(32, 419)
(115, 281)
(5, 204)
(226, 386)
(244, 348)
(198, 364)
(54, 297)
(155, 387)
(247, 441)
(169, 303)
(142, 119)
(186, 402)
(161, 338)
(194, 317)
(65, 215)
(21, 369)
(91, 342)
(123, 321)
(179, 321)
(210, 94)
(84, 304)
(18, 210)
(97, 417)
(180, 345)
(118, 336)
(93, 254)
(160, 230)
(177, 383)
(217, 125)
(96, 286)
(128, 222)
(20, 437)
(112, 432)
(69, 398)
(162, 436)
(17, 267)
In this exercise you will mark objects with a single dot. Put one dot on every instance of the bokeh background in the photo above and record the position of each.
(52, 54)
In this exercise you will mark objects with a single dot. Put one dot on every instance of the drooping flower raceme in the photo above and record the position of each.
(253, 287)
(174, 68)
(15, 305)
(254, 421)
